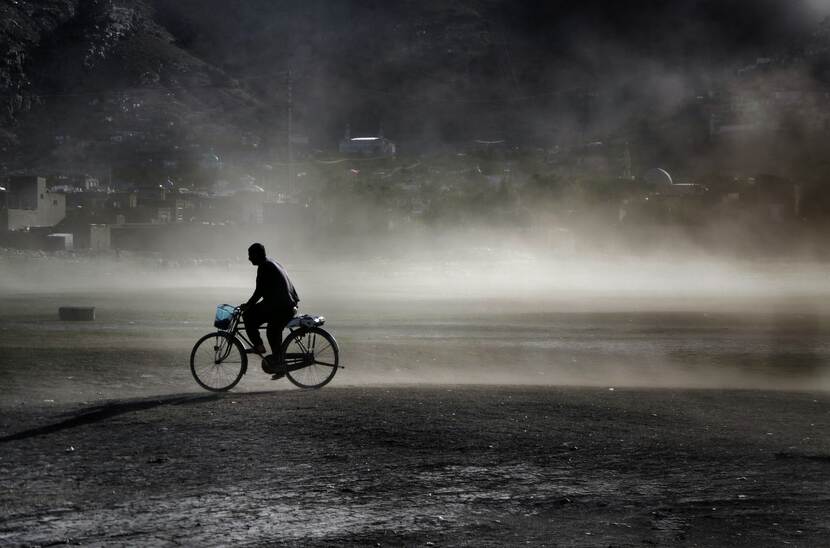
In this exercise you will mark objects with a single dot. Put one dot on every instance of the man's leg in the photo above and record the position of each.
(276, 324)
(253, 318)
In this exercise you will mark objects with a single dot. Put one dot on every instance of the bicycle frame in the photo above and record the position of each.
(236, 330)
(236, 324)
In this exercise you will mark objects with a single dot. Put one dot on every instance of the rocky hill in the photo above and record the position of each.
(96, 81)
(82, 81)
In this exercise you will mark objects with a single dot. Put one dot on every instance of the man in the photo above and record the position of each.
(277, 307)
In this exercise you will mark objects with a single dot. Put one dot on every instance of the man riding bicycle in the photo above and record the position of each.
(277, 307)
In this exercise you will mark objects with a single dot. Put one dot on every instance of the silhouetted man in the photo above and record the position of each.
(278, 304)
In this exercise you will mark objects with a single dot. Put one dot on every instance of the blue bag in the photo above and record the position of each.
(224, 315)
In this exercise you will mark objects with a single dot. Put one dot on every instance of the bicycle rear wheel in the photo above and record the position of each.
(310, 356)
(218, 362)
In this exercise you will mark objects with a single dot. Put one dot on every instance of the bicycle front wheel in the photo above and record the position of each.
(311, 357)
(218, 362)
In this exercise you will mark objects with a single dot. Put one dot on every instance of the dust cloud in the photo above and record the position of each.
(450, 269)
(471, 314)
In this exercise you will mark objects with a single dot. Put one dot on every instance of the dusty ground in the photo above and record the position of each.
(463, 423)
(419, 465)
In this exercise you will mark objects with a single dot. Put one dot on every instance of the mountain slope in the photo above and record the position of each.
(89, 82)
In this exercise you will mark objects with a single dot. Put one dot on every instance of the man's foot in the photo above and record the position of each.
(277, 376)
(258, 349)
(271, 365)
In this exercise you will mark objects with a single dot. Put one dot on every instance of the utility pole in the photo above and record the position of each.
(627, 175)
(290, 136)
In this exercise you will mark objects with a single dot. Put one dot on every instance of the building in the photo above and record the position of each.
(99, 237)
(60, 241)
(4, 210)
(375, 146)
(30, 205)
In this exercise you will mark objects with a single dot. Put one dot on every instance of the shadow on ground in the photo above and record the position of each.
(111, 409)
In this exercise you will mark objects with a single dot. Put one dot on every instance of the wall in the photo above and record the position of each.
(99, 237)
(31, 205)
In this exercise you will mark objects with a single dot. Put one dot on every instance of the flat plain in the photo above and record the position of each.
(480, 422)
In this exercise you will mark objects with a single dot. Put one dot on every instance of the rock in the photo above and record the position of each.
(76, 313)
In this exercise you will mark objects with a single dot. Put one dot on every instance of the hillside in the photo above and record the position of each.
(97, 82)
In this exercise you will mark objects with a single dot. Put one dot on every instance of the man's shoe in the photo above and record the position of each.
(272, 366)
(256, 350)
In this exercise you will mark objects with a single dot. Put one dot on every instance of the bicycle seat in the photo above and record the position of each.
(306, 321)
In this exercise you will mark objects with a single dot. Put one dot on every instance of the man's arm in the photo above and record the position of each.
(252, 301)
(257, 294)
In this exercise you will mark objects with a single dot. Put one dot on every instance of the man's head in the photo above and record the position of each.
(256, 254)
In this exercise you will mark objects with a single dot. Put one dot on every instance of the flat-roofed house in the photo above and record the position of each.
(30, 205)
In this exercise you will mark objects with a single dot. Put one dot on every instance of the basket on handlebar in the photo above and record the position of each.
(224, 315)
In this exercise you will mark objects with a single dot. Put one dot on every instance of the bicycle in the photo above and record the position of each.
(309, 355)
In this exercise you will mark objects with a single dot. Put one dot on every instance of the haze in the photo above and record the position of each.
(462, 171)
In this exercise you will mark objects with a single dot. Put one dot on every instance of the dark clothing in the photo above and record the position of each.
(261, 313)
(278, 305)
(274, 287)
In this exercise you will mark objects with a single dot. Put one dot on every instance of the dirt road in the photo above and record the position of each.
(422, 466)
